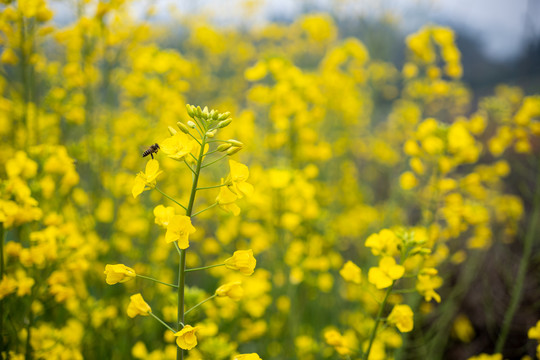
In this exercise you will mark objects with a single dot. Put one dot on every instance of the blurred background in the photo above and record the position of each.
(419, 117)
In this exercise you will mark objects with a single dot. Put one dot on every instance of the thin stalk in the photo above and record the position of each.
(517, 292)
(212, 187)
(155, 280)
(170, 198)
(215, 161)
(377, 321)
(199, 304)
(194, 138)
(182, 264)
(204, 267)
(161, 321)
(189, 167)
(203, 210)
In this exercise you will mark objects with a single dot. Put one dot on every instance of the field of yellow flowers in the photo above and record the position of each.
(313, 203)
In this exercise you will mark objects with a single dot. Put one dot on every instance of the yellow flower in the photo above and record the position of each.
(237, 178)
(243, 261)
(7, 286)
(138, 306)
(252, 356)
(186, 338)
(233, 290)
(402, 317)
(163, 215)
(351, 272)
(388, 271)
(226, 199)
(177, 146)
(338, 341)
(148, 178)
(179, 229)
(383, 243)
(484, 356)
(534, 332)
(118, 273)
(426, 285)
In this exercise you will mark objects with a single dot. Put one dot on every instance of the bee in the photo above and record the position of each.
(152, 149)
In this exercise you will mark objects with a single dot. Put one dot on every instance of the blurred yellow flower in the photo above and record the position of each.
(179, 229)
(383, 243)
(138, 306)
(118, 273)
(7, 286)
(186, 338)
(148, 178)
(252, 356)
(402, 317)
(233, 290)
(338, 341)
(178, 146)
(388, 271)
(243, 261)
(534, 332)
(351, 272)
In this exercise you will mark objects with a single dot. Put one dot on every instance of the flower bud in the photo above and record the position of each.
(224, 123)
(224, 116)
(215, 116)
(191, 124)
(172, 131)
(223, 147)
(233, 150)
(211, 133)
(235, 142)
(199, 112)
(182, 127)
(189, 109)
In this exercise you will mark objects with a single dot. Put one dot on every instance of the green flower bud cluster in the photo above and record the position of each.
(209, 122)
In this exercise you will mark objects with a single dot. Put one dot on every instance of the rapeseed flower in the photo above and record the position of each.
(146, 180)
(118, 273)
(252, 356)
(138, 306)
(179, 229)
(243, 261)
(232, 290)
(351, 272)
(237, 179)
(178, 146)
(402, 317)
(186, 338)
(384, 275)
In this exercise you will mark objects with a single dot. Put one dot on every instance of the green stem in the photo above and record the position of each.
(199, 304)
(155, 280)
(182, 264)
(517, 292)
(170, 198)
(212, 187)
(215, 161)
(197, 140)
(203, 210)
(161, 321)
(204, 267)
(377, 321)
(189, 167)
